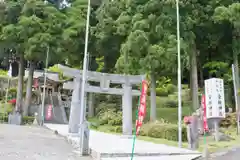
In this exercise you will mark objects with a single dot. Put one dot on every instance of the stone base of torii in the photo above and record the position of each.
(105, 80)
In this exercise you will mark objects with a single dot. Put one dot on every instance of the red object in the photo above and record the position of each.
(142, 107)
(12, 101)
(35, 83)
(49, 113)
(187, 119)
(205, 124)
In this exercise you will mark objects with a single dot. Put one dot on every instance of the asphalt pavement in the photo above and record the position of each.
(34, 143)
(233, 154)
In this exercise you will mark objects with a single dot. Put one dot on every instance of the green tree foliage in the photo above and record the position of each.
(132, 37)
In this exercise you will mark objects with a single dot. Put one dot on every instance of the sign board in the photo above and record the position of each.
(49, 113)
(142, 106)
(215, 102)
(204, 107)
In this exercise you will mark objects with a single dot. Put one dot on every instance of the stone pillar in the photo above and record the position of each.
(194, 133)
(74, 118)
(127, 110)
(216, 130)
(90, 105)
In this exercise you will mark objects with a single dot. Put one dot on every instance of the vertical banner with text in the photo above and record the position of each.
(205, 124)
(49, 112)
(142, 106)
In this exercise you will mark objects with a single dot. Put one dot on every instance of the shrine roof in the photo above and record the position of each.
(53, 76)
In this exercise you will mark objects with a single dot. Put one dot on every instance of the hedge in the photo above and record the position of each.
(161, 92)
(229, 121)
(110, 117)
(163, 130)
(25, 119)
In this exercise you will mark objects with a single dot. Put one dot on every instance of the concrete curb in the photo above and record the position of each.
(222, 153)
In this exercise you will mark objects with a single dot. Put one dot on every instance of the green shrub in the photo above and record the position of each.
(104, 107)
(173, 103)
(6, 108)
(25, 119)
(171, 88)
(161, 92)
(118, 129)
(184, 86)
(111, 117)
(163, 130)
(3, 72)
(229, 121)
(12, 92)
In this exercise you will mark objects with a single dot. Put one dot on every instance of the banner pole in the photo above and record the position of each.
(135, 128)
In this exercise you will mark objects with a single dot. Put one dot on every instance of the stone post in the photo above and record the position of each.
(90, 105)
(127, 110)
(216, 129)
(194, 132)
(74, 119)
(189, 136)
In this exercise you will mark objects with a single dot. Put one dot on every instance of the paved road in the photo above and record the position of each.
(231, 155)
(33, 143)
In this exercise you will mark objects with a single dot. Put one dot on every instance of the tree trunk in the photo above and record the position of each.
(190, 82)
(18, 106)
(236, 34)
(201, 74)
(194, 78)
(29, 89)
(153, 98)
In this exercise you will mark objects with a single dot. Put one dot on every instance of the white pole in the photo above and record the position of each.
(236, 98)
(8, 84)
(44, 86)
(84, 74)
(179, 79)
(6, 96)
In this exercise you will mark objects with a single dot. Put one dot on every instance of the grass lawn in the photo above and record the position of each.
(169, 114)
(211, 144)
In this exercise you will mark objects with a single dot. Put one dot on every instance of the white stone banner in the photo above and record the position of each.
(215, 102)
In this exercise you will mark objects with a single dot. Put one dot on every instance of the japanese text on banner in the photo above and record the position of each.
(142, 106)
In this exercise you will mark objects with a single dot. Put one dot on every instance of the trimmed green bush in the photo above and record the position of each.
(173, 103)
(229, 121)
(12, 92)
(25, 120)
(185, 86)
(118, 129)
(6, 108)
(161, 92)
(111, 117)
(105, 107)
(171, 88)
(3, 72)
(163, 130)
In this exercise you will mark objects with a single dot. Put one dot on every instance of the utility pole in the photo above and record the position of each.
(44, 87)
(236, 96)
(179, 79)
(84, 131)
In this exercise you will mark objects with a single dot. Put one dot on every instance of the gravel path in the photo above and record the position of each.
(34, 143)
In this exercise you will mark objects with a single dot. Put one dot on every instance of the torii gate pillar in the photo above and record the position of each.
(75, 110)
(127, 110)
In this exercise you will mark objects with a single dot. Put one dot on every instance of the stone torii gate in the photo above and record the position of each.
(105, 80)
